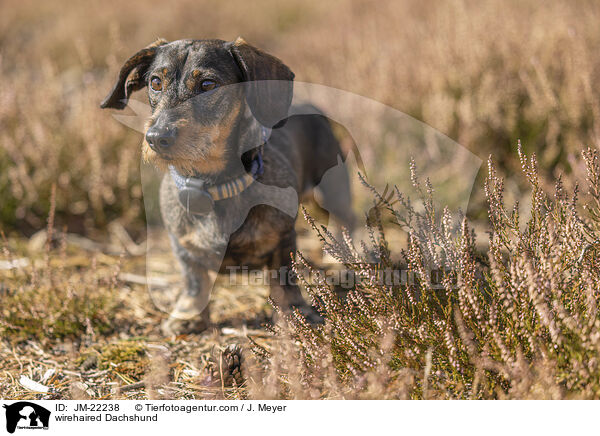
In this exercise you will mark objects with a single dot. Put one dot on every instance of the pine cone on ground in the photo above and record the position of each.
(229, 364)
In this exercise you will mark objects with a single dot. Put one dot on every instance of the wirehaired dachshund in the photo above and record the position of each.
(235, 163)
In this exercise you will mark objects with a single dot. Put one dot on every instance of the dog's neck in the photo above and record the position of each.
(198, 193)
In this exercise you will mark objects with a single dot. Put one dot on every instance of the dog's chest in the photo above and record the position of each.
(212, 241)
(234, 233)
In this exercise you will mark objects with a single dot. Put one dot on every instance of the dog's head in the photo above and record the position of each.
(198, 111)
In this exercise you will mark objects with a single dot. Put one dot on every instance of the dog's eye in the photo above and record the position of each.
(156, 84)
(207, 85)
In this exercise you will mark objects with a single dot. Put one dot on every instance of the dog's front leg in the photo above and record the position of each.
(191, 312)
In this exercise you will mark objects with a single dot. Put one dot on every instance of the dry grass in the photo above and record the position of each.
(75, 317)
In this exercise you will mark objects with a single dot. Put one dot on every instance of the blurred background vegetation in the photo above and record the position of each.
(485, 73)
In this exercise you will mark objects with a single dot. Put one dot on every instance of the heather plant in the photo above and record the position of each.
(517, 318)
(519, 322)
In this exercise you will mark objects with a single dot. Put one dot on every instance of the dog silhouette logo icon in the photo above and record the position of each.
(26, 415)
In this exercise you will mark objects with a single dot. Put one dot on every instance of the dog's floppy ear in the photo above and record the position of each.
(270, 87)
(131, 76)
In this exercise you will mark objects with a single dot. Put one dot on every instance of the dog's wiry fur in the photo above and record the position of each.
(217, 135)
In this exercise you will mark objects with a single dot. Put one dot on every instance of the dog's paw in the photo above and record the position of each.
(177, 326)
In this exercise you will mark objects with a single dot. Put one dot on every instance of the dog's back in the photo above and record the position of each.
(320, 163)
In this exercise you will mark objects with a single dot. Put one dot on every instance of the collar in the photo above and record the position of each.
(199, 199)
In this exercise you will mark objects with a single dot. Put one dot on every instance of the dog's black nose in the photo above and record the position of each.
(160, 138)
